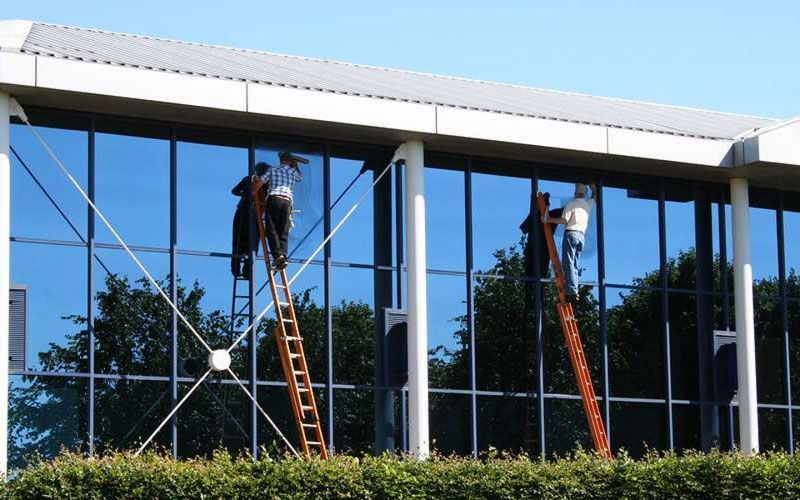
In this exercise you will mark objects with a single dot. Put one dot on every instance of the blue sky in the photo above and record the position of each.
(731, 56)
(728, 55)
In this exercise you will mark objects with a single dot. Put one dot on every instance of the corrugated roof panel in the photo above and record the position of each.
(276, 69)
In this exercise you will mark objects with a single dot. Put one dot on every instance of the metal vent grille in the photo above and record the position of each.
(395, 330)
(18, 327)
(724, 365)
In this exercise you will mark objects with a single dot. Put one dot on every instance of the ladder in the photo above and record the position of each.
(234, 405)
(290, 345)
(569, 325)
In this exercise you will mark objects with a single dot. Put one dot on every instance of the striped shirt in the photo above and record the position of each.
(281, 181)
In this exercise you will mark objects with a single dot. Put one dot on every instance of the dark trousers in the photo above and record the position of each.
(243, 238)
(278, 223)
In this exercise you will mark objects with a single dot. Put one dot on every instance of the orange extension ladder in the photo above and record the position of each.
(290, 345)
(569, 325)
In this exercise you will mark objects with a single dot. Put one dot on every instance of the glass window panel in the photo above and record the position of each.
(508, 423)
(772, 431)
(505, 334)
(686, 427)
(45, 414)
(562, 193)
(216, 415)
(128, 411)
(32, 214)
(275, 401)
(791, 248)
(132, 321)
(444, 219)
(794, 348)
(796, 427)
(307, 230)
(448, 339)
(635, 343)
(565, 426)
(681, 244)
(683, 346)
(500, 205)
(354, 421)
(206, 175)
(132, 189)
(449, 423)
(763, 244)
(308, 299)
(770, 366)
(206, 300)
(354, 240)
(637, 427)
(353, 312)
(57, 338)
(628, 217)
(559, 377)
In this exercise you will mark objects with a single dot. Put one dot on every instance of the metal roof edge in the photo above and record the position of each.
(404, 71)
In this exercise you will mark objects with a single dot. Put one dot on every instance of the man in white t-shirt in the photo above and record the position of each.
(575, 218)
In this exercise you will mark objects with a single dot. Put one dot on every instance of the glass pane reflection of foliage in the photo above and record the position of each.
(44, 414)
(132, 325)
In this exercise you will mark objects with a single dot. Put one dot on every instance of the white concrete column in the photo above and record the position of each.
(5, 268)
(745, 329)
(419, 443)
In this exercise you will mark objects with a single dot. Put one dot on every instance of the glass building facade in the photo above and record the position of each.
(106, 356)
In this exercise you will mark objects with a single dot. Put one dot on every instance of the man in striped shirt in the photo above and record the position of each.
(280, 182)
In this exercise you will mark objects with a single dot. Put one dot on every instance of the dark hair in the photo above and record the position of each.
(261, 168)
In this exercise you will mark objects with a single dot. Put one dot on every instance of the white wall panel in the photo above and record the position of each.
(521, 130)
(17, 69)
(142, 84)
(340, 108)
(668, 147)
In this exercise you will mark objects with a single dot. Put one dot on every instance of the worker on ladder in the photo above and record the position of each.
(244, 236)
(280, 182)
(575, 217)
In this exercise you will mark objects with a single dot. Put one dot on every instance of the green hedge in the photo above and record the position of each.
(692, 476)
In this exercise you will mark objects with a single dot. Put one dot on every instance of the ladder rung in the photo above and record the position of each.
(290, 337)
(302, 389)
(283, 304)
(242, 296)
(294, 355)
(279, 286)
(299, 372)
(314, 443)
(287, 320)
(307, 408)
(310, 426)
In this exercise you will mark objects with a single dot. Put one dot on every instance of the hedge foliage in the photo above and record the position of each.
(717, 475)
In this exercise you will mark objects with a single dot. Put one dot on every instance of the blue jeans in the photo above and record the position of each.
(571, 248)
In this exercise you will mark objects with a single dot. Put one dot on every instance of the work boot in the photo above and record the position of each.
(280, 262)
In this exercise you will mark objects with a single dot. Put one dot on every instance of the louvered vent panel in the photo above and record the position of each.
(18, 328)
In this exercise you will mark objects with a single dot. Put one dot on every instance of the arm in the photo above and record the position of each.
(562, 219)
(593, 187)
(240, 188)
(553, 220)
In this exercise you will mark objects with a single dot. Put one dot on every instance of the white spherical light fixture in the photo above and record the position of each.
(219, 360)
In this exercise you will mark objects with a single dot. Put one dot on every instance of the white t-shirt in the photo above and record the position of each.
(576, 213)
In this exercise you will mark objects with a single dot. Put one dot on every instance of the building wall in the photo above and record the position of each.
(499, 370)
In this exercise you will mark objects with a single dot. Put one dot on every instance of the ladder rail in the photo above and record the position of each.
(288, 338)
(306, 377)
(569, 326)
